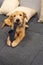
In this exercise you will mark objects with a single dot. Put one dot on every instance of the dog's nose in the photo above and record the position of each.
(17, 20)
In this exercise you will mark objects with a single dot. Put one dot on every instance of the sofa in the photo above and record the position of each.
(30, 50)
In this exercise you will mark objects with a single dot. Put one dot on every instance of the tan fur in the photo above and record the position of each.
(20, 30)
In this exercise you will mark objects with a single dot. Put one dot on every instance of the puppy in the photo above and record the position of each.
(17, 22)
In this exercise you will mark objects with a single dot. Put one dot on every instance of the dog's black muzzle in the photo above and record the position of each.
(18, 21)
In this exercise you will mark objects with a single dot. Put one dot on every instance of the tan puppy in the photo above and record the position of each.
(19, 17)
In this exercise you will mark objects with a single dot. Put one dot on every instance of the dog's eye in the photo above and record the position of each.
(14, 15)
(20, 14)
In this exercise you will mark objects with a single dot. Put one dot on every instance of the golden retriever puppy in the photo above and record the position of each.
(17, 22)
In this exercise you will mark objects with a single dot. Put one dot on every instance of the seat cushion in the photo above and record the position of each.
(3, 32)
(25, 52)
(28, 52)
(38, 59)
(35, 26)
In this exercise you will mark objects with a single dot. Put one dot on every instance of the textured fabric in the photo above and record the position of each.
(26, 53)
(2, 17)
(29, 51)
(41, 12)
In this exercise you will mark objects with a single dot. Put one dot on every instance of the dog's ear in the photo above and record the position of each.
(11, 17)
(7, 22)
(24, 14)
(25, 17)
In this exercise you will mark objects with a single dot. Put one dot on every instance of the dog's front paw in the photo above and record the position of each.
(8, 42)
(14, 44)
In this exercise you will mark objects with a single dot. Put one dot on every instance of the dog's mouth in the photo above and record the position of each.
(17, 22)
(12, 32)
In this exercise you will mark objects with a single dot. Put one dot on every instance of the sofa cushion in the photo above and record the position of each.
(38, 59)
(35, 26)
(25, 52)
(3, 32)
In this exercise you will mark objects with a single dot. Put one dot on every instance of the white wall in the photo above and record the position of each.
(31, 3)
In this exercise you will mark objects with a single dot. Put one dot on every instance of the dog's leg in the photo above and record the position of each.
(8, 41)
(18, 39)
(26, 26)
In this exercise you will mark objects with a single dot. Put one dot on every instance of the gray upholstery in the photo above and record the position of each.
(29, 51)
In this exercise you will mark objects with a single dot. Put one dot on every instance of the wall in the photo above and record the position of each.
(1, 2)
(31, 3)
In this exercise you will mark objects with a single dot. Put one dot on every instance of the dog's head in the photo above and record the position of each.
(17, 17)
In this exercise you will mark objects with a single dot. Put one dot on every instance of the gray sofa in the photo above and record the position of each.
(30, 50)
